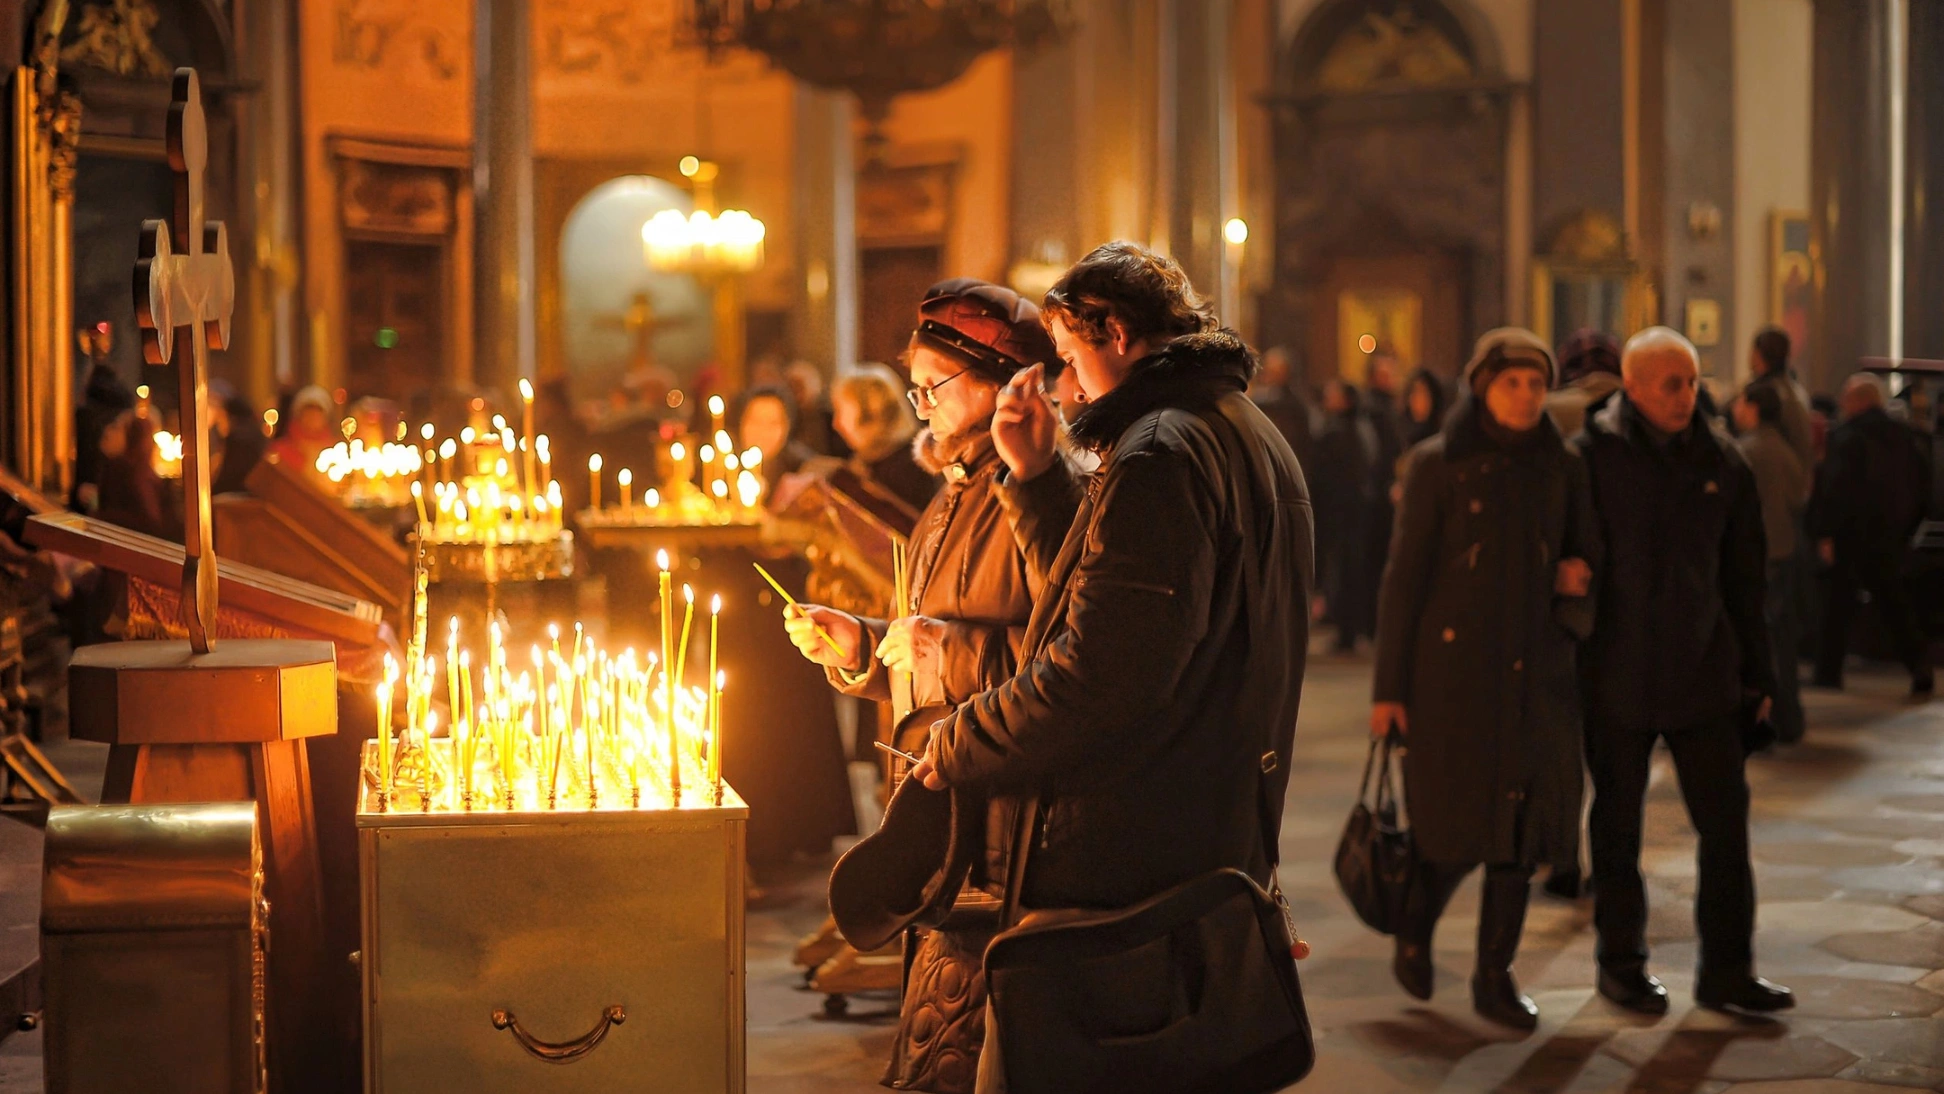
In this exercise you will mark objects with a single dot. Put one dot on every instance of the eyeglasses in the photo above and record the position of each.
(922, 397)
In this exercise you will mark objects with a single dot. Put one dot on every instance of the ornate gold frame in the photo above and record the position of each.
(46, 130)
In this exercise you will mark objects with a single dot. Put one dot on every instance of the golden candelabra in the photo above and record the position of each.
(489, 508)
(730, 489)
(572, 726)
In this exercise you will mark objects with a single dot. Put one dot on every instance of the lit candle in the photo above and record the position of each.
(594, 480)
(681, 651)
(526, 431)
(545, 448)
(447, 450)
(715, 735)
(668, 683)
(384, 730)
(712, 710)
(716, 407)
(626, 479)
(418, 499)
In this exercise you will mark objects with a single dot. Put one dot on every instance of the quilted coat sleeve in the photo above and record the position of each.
(1139, 604)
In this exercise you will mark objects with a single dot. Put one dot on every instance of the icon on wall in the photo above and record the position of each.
(1704, 322)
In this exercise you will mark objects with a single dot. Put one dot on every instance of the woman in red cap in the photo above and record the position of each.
(972, 586)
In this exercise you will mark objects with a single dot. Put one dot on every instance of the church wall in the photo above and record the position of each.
(396, 70)
(1772, 119)
(970, 118)
(1699, 174)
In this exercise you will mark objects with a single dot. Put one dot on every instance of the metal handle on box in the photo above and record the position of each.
(563, 1052)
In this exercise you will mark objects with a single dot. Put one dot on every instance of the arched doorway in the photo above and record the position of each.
(622, 324)
(1390, 137)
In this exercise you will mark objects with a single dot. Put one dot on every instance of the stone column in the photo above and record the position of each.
(826, 216)
(1699, 172)
(1924, 174)
(503, 285)
(1850, 180)
(265, 248)
(1578, 114)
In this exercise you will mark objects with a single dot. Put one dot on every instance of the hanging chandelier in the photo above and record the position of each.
(705, 243)
(876, 49)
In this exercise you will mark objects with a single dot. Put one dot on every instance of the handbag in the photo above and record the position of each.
(1376, 862)
(1194, 990)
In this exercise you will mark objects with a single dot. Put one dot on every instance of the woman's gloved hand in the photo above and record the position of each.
(914, 644)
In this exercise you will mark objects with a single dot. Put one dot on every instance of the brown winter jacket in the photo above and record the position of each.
(1152, 674)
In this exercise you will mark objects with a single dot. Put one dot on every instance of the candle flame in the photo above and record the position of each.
(526, 389)
(448, 449)
(594, 462)
(625, 477)
(715, 404)
(661, 559)
(425, 431)
(688, 592)
(715, 604)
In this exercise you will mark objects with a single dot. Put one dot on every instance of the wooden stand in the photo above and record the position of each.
(229, 725)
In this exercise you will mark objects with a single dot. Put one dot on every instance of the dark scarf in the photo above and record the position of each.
(1190, 372)
(1471, 430)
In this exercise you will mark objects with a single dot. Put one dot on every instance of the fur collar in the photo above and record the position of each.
(1189, 372)
(971, 451)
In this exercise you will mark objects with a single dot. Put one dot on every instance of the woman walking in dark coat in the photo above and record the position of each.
(1483, 603)
(1340, 482)
(1425, 404)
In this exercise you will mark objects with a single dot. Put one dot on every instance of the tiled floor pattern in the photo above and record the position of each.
(1849, 846)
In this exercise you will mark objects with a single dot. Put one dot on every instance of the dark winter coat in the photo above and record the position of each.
(1681, 639)
(1873, 486)
(1155, 672)
(1475, 643)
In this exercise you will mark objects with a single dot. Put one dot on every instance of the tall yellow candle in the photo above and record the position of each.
(594, 481)
(668, 682)
(526, 431)
(626, 479)
(384, 730)
(715, 734)
(681, 650)
(715, 699)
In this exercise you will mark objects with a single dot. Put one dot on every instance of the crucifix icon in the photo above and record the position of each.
(185, 289)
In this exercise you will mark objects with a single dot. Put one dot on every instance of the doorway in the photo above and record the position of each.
(394, 306)
(1410, 303)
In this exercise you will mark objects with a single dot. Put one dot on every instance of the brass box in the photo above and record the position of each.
(545, 953)
(152, 933)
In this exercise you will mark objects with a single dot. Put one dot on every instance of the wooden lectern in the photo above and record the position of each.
(197, 721)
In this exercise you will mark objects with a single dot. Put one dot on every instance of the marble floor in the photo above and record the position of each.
(1849, 856)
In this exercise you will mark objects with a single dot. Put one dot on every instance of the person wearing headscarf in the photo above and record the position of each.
(972, 585)
(307, 429)
(1425, 404)
(1484, 599)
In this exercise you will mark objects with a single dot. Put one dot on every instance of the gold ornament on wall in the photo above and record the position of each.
(116, 37)
(372, 33)
(1395, 49)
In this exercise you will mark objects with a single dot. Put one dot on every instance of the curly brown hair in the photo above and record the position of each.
(1147, 293)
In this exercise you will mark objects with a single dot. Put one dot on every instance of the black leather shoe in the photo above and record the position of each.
(1411, 964)
(1495, 995)
(1636, 991)
(1749, 993)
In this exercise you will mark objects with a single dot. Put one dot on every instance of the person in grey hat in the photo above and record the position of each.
(1483, 604)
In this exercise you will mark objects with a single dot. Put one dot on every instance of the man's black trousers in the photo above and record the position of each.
(1708, 762)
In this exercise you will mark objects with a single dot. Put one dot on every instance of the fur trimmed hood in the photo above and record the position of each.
(1191, 371)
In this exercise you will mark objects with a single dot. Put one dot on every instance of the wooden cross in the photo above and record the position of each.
(185, 289)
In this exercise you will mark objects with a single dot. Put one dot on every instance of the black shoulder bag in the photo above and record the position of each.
(1194, 990)
(1376, 863)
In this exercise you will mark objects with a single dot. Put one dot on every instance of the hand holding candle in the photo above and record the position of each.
(798, 612)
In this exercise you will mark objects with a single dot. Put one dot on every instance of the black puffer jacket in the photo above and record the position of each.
(1475, 643)
(1681, 640)
(1166, 652)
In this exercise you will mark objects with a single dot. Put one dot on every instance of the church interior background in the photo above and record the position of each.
(431, 202)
